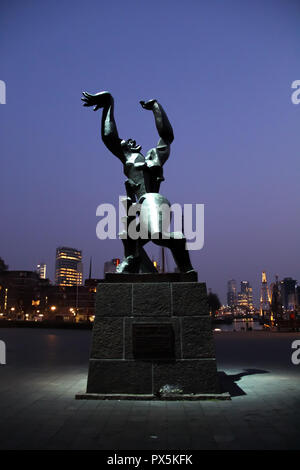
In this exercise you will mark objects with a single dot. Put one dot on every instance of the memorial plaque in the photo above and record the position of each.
(153, 341)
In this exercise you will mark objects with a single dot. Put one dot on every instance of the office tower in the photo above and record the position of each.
(111, 266)
(242, 300)
(265, 300)
(247, 291)
(41, 270)
(245, 296)
(288, 293)
(250, 297)
(68, 266)
(298, 296)
(276, 301)
(244, 287)
(231, 293)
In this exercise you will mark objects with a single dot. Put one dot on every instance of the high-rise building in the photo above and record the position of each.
(265, 299)
(244, 287)
(298, 295)
(276, 301)
(68, 266)
(41, 269)
(231, 293)
(245, 296)
(288, 293)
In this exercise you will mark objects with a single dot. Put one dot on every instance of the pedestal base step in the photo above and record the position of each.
(179, 397)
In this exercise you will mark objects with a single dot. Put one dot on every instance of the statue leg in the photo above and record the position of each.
(135, 257)
(155, 218)
(178, 248)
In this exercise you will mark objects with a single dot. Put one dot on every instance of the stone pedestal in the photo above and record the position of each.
(152, 338)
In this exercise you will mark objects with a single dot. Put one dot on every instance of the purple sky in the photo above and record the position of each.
(222, 70)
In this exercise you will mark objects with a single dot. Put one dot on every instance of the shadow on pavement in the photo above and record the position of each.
(228, 382)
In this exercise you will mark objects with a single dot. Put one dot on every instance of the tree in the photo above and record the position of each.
(3, 266)
(213, 303)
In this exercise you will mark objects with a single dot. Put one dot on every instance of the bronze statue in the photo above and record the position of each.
(145, 175)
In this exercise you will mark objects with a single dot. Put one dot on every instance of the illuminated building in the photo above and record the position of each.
(265, 299)
(288, 293)
(68, 267)
(276, 301)
(25, 296)
(20, 294)
(245, 296)
(41, 270)
(70, 304)
(231, 293)
(246, 290)
(298, 295)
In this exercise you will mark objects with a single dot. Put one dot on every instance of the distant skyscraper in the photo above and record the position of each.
(111, 266)
(245, 296)
(231, 293)
(276, 301)
(265, 299)
(68, 266)
(288, 293)
(298, 295)
(244, 287)
(41, 270)
(249, 291)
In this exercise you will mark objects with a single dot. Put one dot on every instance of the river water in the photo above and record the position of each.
(238, 325)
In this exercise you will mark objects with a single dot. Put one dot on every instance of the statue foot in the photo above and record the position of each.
(130, 264)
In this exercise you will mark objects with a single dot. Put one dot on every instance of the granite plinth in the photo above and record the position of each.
(152, 339)
(151, 277)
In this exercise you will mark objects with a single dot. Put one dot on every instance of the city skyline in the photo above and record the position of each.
(231, 285)
(28, 295)
(224, 74)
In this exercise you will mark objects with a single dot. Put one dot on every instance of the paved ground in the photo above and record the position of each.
(45, 368)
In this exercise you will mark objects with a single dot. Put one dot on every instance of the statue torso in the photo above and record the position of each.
(144, 173)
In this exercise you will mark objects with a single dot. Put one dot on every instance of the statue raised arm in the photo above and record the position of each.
(109, 131)
(145, 175)
(164, 130)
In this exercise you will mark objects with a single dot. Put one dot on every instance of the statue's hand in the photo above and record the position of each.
(99, 100)
(148, 104)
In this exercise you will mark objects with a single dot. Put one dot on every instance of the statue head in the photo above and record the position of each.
(131, 146)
